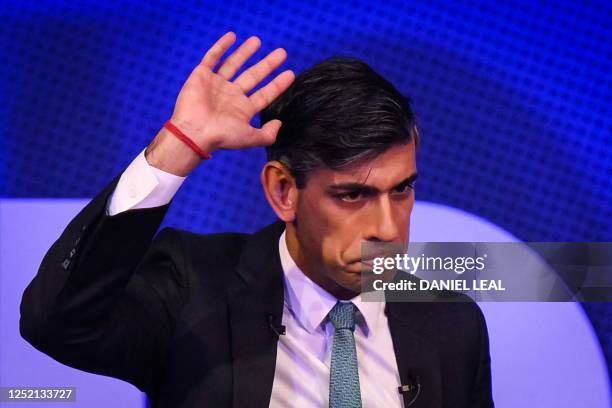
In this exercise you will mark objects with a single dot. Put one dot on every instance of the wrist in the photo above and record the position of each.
(171, 155)
(190, 129)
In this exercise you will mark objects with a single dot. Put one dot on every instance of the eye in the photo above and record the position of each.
(350, 196)
(404, 188)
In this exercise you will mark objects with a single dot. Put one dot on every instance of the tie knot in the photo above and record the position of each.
(342, 316)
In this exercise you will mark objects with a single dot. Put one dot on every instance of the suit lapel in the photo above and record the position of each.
(418, 361)
(255, 297)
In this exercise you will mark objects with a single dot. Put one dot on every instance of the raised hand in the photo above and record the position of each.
(215, 111)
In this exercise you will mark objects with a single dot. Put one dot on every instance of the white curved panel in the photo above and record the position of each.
(542, 354)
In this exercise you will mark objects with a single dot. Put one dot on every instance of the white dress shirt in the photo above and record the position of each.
(301, 378)
(143, 186)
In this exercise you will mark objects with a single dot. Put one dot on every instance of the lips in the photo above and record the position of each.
(361, 266)
(370, 259)
(356, 267)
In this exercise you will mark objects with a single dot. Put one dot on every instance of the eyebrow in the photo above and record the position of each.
(367, 188)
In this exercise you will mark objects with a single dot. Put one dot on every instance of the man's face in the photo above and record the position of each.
(337, 211)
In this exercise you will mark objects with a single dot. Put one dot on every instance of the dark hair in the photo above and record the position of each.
(337, 113)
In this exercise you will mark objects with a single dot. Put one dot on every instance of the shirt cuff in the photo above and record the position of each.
(143, 186)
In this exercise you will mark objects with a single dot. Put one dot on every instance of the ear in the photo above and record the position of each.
(280, 189)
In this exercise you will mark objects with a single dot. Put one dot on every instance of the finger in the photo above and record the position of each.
(255, 74)
(264, 96)
(218, 49)
(266, 135)
(232, 64)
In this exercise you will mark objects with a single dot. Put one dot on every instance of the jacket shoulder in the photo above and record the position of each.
(219, 244)
(208, 255)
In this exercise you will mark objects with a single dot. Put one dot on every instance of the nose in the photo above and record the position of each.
(383, 223)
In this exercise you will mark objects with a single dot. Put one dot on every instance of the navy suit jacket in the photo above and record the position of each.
(189, 318)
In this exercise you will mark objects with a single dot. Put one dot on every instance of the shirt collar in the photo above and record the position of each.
(310, 303)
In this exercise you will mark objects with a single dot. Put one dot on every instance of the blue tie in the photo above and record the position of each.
(344, 375)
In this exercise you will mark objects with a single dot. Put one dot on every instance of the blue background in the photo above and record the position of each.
(513, 101)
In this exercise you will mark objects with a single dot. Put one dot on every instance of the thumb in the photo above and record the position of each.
(268, 132)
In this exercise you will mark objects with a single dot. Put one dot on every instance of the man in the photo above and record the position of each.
(274, 318)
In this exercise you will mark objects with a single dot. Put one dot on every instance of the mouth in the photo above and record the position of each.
(388, 251)
(360, 266)
(370, 258)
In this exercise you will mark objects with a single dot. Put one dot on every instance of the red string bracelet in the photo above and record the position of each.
(185, 139)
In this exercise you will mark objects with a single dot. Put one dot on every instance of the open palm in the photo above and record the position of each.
(216, 111)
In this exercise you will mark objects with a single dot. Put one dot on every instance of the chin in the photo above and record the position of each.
(351, 281)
